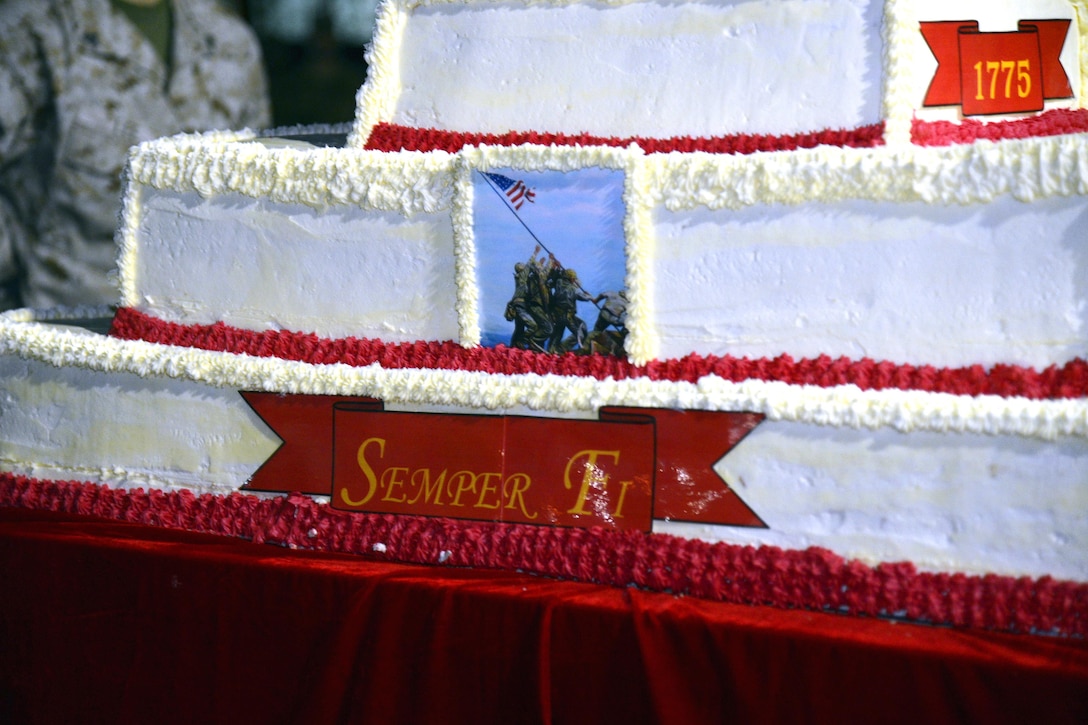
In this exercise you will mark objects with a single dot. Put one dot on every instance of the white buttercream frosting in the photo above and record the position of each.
(317, 177)
(899, 65)
(407, 182)
(377, 98)
(217, 164)
(872, 50)
(464, 255)
(1026, 169)
(612, 68)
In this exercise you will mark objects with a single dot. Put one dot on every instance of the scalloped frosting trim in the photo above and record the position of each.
(813, 578)
(838, 405)
(464, 256)
(898, 28)
(316, 177)
(1026, 169)
(377, 98)
(408, 181)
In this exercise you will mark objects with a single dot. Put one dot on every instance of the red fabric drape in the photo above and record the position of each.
(112, 622)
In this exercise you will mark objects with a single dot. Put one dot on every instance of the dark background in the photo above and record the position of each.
(314, 73)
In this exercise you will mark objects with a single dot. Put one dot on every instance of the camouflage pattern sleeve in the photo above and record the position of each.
(80, 85)
(24, 81)
(218, 60)
(24, 93)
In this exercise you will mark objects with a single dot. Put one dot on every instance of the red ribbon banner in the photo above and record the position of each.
(990, 73)
(621, 471)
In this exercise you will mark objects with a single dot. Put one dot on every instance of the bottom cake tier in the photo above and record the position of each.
(902, 503)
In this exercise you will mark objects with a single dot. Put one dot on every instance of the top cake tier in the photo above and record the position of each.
(701, 75)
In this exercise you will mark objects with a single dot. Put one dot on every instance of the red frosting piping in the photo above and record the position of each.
(813, 579)
(1050, 123)
(1067, 381)
(391, 137)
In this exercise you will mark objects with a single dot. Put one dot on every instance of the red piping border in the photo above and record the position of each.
(1056, 122)
(1068, 381)
(392, 137)
(812, 579)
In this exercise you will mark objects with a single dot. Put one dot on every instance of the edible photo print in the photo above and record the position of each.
(550, 260)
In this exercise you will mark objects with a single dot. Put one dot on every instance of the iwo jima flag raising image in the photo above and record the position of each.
(551, 262)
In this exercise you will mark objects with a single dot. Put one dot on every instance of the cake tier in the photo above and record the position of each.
(951, 483)
(718, 75)
(949, 257)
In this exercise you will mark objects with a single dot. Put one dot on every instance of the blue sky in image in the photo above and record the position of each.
(578, 215)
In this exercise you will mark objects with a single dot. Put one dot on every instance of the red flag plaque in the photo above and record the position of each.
(621, 471)
(990, 73)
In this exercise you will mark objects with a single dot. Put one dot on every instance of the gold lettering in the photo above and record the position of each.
(466, 482)
(993, 67)
(593, 476)
(618, 513)
(485, 478)
(1007, 67)
(1021, 69)
(411, 486)
(1023, 78)
(518, 484)
(368, 472)
(391, 481)
(427, 488)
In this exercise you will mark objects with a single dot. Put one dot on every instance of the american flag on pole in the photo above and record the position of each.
(515, 189)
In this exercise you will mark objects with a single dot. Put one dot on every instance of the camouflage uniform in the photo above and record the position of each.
(79, 85)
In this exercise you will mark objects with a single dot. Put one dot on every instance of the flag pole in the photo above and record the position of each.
(508, 205)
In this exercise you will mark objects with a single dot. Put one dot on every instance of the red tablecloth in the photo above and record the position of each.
(111, 622)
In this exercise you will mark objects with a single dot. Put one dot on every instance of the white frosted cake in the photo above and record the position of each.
(776, 302)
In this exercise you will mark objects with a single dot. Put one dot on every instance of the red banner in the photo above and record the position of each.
(625, 469)
(989, 73)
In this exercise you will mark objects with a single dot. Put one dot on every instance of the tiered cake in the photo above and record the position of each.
(781, 302)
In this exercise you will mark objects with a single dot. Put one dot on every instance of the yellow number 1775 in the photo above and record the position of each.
(994, 68)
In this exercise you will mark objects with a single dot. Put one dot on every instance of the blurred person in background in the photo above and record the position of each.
(314, 51)
(296, 21)
(81, 81)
